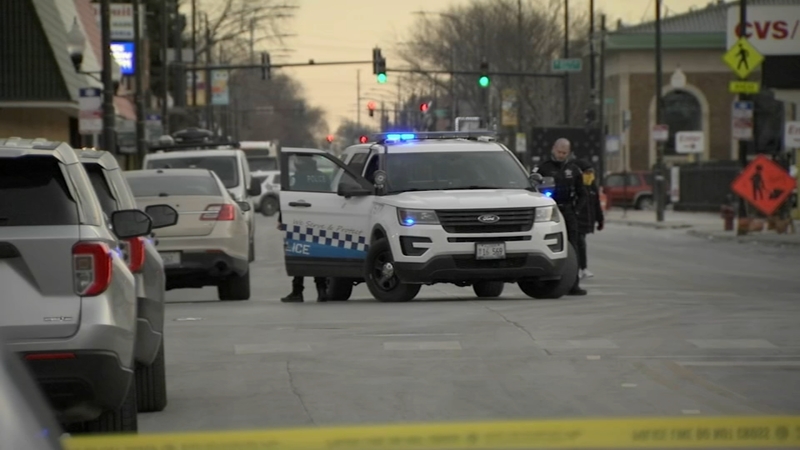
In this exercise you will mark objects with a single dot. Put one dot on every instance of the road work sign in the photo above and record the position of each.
(764, 184)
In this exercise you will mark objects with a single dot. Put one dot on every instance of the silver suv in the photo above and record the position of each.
(148, 269)
(68, 299)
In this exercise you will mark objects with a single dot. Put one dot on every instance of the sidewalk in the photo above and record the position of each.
(705, 225)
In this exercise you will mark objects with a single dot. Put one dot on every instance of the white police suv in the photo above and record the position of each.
(413, 209)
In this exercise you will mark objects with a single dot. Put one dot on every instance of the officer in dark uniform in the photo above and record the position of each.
(569, 194)
(309, 179)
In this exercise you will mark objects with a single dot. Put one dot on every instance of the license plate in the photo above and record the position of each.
(171, 258)
(490, 251)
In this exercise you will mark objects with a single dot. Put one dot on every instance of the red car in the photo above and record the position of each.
(636, 192)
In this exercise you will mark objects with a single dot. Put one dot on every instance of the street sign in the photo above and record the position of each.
(744, 87)
(90, 116)
(764, 184)
(521, 144)
(689, 142)
(743, 58)
(612, 144)
(742, 116)
(567, 65)
(660, 133)
(791, 135)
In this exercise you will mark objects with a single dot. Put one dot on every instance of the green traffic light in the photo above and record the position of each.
(483, 81)
(381, 78)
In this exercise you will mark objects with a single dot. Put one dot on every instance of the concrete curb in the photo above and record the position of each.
(742, 239)
(653, 225)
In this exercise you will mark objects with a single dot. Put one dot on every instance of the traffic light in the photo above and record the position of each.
(379, 65)
(371, 108)
(363, 139)
(483, 81)
(423, 107)
(329, 138)
(266, 69)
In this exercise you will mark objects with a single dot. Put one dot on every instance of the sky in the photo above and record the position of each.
(347, 30)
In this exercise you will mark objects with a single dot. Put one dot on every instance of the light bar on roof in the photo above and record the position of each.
(431, 135)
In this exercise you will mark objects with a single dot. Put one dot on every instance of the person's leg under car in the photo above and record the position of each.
(571, 222)
(297, 291)
(322, 288)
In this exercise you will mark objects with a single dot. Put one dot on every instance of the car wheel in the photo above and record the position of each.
(340, 289)
(488, 289)
(151, 384)
(645, 203)
(123, 419)
(234, 287)
(381, 280)
(269, 206)
(553, 289)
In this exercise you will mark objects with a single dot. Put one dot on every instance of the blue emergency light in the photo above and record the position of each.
(432, 135)
(408, 221)
(548, 193)
(401, 136)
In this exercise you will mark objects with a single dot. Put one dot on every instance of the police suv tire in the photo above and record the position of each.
(488, 289)
(122, 420)
(151, 384)
(379, 250)
(339, 289)
(269, 206)
(554, 289)
(234, 287)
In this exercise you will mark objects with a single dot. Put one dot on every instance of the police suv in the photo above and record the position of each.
(413, 209)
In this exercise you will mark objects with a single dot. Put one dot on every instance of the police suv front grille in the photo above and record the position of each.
(466, 220)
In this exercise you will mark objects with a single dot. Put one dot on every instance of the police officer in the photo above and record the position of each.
(309, 179)
(569, 194)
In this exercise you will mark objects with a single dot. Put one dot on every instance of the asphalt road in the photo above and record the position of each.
(673, 325)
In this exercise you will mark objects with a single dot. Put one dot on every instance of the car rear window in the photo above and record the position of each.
(224, 166)
(33, 192)
(164, 185)
(101, 188)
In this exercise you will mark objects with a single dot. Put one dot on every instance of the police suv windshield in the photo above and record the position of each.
(224, 166)
(264, 163)
(433, 171)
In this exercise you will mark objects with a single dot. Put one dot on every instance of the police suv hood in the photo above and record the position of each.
(468, 199)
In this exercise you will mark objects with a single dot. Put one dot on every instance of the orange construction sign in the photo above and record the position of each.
(764, 184)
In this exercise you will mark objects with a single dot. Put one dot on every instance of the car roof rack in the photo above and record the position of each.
(194, 139)
(477, 135)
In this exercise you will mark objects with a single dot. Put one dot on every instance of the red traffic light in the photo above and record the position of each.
(371, 106)
(363, 139)
(423, 107)
(329, 138)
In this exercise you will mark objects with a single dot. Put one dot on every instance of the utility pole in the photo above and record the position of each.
(520, 103)
(742, 143)
(194, 52)
(164, 66)
(252, 41)
(592, 80)
(138, 65)
(358, 98)
(601, 113)
(109, 118)
(209, 106)
(179, 95)
(659, 169)
(566, 55)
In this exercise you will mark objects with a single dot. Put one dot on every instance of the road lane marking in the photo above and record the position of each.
(732, 343)
(252, 349)
(409, 334)
(442, 345)
(577, 344)
(629, 385)
(740, 363)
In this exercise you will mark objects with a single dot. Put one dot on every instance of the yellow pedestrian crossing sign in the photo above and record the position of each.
(743, 58)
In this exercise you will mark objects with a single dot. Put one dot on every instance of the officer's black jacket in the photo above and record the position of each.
(569, 189)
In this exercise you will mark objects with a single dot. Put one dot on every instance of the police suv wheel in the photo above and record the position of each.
(488, 289)
(553, 289)
(269, 206)
(381, 280)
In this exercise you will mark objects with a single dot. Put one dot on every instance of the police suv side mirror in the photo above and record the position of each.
(535, 178)
(349, 189)
(244, 206)
(162, 215)
(131, 223)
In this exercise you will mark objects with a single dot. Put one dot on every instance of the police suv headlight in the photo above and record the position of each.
(548, 214)
(410, 217)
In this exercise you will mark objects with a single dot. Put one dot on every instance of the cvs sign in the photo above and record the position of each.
(772, 30)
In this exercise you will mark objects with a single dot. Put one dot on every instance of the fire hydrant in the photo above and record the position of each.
(728, 213)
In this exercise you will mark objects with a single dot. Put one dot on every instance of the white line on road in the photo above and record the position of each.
(443, 345)
(576, 344)
(740, 363)
(731, 343)
(410, 334)
(250, 349)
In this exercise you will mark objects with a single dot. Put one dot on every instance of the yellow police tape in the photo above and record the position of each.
(696, 432)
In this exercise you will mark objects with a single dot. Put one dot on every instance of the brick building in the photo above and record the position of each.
(693, 42)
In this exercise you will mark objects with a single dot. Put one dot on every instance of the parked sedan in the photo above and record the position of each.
(209, 246)
(148, 269)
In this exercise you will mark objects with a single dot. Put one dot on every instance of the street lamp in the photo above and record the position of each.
(76, 47)
(678, 79)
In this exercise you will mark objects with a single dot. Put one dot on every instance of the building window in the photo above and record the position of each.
(681, 112)
(768, 129)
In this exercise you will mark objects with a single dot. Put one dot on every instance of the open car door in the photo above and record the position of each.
(324, 215)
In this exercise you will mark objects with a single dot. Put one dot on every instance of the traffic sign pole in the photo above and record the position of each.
(741, 229)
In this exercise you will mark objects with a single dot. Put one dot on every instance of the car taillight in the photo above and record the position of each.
(91, 268)
(133, 252)
(219, 212)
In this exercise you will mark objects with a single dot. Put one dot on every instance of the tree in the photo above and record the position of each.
(349, 131)
(464, 35)
(275, 109)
